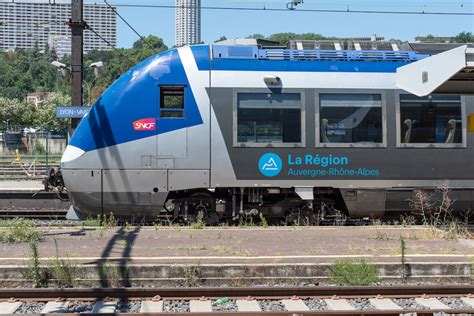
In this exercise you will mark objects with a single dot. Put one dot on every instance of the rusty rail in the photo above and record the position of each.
(241, 292)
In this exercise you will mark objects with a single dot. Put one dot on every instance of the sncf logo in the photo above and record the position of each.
(146, 124)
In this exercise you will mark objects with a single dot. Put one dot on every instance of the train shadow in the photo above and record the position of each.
(114, 272)
(79, 232)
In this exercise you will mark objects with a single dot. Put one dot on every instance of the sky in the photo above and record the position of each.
(234, 23)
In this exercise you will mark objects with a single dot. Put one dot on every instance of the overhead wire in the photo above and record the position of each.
(89, 28)
(131, 27)
(347, 10)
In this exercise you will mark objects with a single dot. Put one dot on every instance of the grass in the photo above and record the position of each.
(472, 272)
(349, 272)
(34, 272)
(20, 230)
(108, 222)
(113, 274)
(63, 271)
(381, 236)
(403, 266)
(263, 221)
(199, 222)
(191, 276)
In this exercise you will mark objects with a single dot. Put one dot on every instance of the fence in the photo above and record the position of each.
(29, 152)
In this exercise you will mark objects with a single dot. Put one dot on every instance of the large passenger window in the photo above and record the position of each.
(268, 118)
(172, 102)
(430, 120)
(350, 119)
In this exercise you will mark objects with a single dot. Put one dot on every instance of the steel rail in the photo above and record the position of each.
(418, 312)
(254, 292)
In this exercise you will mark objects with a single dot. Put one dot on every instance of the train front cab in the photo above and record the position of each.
(146, 135)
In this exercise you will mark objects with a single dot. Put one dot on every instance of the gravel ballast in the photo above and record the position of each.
(316, 304)
(407, 303)
(80, 307)
(272, 306)
(454, 303)
(229, 306)
(30, 308)
(179, 306)
(125, 306)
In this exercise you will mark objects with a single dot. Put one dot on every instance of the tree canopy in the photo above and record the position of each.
(24, 71)
(15, 112)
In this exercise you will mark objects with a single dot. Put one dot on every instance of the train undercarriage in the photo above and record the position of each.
(284, 206)
(280, 206)
(253, 205)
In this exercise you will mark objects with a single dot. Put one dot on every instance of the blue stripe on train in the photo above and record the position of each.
(136, 96)
(202, 54)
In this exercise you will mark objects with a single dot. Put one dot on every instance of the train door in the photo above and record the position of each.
(171, 123)
(183, 123)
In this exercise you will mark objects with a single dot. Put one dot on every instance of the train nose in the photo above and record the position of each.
(71, 153)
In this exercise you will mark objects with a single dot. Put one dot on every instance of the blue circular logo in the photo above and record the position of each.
(270, 165)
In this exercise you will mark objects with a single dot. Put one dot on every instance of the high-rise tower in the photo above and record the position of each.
(30, 23)
(188, 22)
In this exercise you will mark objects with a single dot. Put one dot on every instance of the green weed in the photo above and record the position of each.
(349, 272)
(192, 275)
(108, 222)
(199, 222)
(263, 221)
(403, 266)
(20, 230)
(34, 272)
(63, 271)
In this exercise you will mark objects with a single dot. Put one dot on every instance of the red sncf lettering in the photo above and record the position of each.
(148, 124)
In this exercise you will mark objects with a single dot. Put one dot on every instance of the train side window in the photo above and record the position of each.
(171, 102)
(434, 120)
(264, 118)
(350, 119)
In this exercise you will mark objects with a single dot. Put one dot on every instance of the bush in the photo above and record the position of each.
(20, 231)
(350, 272)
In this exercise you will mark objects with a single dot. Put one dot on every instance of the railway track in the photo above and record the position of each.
(43, 214)
(374, 300)
(32, 205)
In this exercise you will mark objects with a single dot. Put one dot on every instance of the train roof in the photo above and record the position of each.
(257, 53)
(328, 50)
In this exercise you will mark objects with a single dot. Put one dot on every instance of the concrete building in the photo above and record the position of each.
(30, 23)
(61, 44)
(434, 39)
(188, 22)
(37, 98)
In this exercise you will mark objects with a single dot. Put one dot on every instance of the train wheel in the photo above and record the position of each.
(204, 203)
(303, 216)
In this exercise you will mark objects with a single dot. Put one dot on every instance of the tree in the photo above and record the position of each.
(142, 50)
(45, 115)
(284, 38)
(430, 38)
(220, 39)
(256, 36)
(96, 92)
(14, 112)
(464, 37)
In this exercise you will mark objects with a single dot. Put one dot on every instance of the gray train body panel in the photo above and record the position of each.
(135, 178)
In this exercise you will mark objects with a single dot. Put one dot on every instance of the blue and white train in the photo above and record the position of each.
(238, 130)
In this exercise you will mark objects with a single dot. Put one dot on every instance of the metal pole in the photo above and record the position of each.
(77, 25)
(102, 198)
(47, 152)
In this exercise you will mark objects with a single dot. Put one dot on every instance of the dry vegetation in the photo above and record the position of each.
(436, 211)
